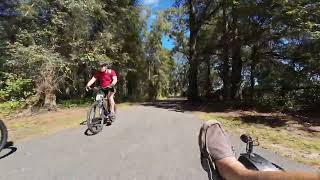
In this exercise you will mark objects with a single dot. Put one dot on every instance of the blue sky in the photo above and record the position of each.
(156, 5)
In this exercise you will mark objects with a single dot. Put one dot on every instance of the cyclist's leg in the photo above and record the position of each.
(111, 100)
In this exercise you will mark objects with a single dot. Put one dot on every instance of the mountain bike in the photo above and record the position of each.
(99, 113)
(249, 159)
(3, 135)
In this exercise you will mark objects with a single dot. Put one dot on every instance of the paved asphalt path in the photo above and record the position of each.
(145, 143)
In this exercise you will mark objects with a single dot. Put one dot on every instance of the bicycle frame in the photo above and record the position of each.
(100, 97)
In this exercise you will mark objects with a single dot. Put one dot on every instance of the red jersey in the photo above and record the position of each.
(105, 78)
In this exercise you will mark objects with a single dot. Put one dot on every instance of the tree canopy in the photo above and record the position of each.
(260, 52)
(252, 51)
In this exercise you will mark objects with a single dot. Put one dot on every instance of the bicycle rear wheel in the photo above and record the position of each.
(94, 119)
(3, 135)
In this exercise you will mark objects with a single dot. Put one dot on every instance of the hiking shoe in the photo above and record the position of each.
(214, 142)
(112, 117)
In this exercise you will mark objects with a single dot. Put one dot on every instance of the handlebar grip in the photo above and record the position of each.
(245, 138)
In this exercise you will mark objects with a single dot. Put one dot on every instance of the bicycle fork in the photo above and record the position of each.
(103, 112)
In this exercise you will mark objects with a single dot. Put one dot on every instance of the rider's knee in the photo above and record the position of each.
(111, 96)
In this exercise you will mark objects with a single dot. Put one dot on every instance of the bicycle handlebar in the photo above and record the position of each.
(250, 142)
(97, 88)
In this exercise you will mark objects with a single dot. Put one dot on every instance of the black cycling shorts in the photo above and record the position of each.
(107, 90)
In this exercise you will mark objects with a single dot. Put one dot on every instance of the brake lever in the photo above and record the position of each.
(96, 88)
(256, 142)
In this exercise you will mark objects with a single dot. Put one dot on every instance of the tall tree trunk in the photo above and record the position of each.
(50, 100)
(208, 80)
(131, 84)
(151, 91)
(50, 86)
(226, 73)
(236, 66)
(77, 85)
(236, 57)
(85, 76)
(39, 102)
(225, 56)
(46, 90)
(252, 69)
(193, 62)
(236, 72)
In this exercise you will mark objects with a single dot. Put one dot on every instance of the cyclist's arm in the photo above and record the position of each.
(231, 169)
(92, 80)
(114, 81)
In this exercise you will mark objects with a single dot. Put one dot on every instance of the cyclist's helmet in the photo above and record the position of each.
(104, 63)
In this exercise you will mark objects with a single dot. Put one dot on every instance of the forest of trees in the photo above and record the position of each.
(254, 52)
(263, 51)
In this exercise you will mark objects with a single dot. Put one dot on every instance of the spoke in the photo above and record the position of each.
(95, 120)
(95, 128)
(94, 112)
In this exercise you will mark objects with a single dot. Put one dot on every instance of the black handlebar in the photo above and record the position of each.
(248, 140)
(98, 88)
(102, 88)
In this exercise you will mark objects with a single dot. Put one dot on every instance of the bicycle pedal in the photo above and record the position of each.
(108, 123)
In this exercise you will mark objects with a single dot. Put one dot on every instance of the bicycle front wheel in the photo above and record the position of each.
(94, 119)
(3, 135)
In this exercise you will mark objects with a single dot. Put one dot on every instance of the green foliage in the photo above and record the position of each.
(265, 51)
(10, 106)
(15, 88)
(178, 23)
(57, 44)
(259, 51)
(75, 103)
(160, 61)
(303, 99)
(33, 60)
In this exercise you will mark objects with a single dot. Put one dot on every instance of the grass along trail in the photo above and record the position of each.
(46, 123)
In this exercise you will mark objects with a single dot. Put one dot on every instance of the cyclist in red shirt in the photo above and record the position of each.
(107, 79)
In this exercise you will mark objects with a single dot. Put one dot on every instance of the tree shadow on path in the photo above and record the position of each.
(245, 114)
